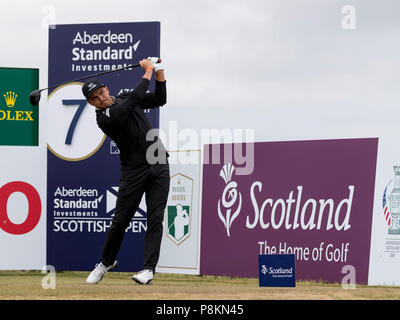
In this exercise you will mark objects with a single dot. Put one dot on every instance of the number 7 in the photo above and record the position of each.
(82, 104)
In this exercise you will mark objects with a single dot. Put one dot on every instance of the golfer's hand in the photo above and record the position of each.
(157, 63)
(146, 64)
(158, 68)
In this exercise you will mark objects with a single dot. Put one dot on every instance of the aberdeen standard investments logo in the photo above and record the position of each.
(229, 198)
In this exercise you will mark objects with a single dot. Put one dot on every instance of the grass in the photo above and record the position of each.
(27, 285)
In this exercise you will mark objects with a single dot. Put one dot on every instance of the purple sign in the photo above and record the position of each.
(313, 199)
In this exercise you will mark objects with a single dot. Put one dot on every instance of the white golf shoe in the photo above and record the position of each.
(99, 271)
(144, 277)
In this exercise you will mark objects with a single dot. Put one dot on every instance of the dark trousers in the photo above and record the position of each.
(154, 182)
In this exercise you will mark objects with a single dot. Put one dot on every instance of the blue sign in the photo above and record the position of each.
(84, 172)
(277, 270)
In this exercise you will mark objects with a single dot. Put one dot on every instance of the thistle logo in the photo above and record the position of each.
(264, 269)
(10, 98)
(229, 197)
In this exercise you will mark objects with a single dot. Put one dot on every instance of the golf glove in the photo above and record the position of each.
(157, 65)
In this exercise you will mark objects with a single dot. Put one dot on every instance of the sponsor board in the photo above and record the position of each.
(313, 199)
(22, 222)
(19, 120)
(181, 236)
(385, 237)
(83, 165)
(22, 181)
(277, 270)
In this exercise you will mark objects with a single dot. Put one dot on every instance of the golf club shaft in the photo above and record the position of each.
(92, 76)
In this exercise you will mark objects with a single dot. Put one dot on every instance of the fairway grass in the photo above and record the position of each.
(27, 285)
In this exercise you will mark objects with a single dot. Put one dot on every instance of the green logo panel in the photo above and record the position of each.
(19, 120)
(178, 221)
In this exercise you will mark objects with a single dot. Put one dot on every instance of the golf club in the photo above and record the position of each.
(34, 97)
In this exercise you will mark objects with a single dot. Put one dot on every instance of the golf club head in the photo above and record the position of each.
(34, 97)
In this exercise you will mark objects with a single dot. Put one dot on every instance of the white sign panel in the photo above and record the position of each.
(22, 208)
(180, 246)
(385, 238)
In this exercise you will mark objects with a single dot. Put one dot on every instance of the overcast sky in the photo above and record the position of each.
(287, 69)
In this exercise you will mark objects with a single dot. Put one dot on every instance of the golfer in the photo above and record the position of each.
(123, 119)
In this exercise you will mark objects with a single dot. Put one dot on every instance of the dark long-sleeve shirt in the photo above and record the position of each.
(126, 123)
